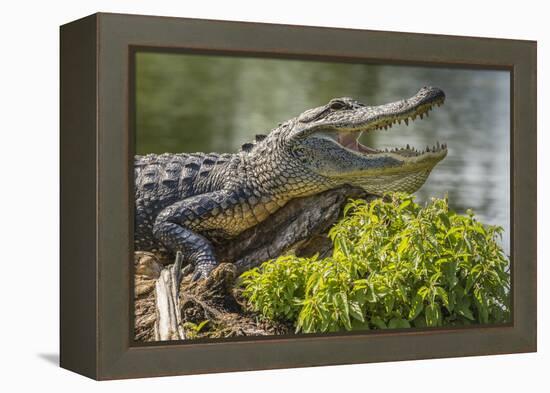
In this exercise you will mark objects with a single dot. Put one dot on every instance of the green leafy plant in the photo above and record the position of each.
(395, 264)
(193, 330)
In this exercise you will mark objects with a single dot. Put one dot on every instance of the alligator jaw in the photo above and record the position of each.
(346, 125)
(371, 118)
(350, 140)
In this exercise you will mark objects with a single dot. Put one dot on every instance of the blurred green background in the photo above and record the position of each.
(189, 103)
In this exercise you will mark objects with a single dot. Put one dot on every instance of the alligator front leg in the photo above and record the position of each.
(177, 227)
(195, 248)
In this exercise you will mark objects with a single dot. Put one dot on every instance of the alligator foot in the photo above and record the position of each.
(195, 249)
(204, 267)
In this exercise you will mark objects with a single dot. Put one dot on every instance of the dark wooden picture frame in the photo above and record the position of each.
(96, 202)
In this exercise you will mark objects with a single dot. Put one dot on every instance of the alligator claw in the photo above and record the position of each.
(202, 272)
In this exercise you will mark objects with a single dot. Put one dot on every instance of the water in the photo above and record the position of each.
(188, 103)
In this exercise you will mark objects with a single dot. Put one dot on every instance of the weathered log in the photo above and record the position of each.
(146, 272)
(300, 226)
(168, 323)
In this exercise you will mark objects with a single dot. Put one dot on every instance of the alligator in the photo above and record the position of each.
(188, 202)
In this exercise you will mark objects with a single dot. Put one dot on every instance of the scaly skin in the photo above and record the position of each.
(188, 202)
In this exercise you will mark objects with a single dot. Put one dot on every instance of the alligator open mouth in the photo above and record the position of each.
(400, 113)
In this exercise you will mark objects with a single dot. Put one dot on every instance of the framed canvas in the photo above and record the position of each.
(231, 199)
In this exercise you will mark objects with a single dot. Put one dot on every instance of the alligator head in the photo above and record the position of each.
(324, 141)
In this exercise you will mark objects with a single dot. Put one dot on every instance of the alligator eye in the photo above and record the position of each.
(301, 154)
(337, 105)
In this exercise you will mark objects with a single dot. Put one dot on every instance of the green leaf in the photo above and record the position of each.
(442, 295)
(419, 322)
(403, 245)
(453, 230)
(445, 220)
(450, 273)
(342, 246)
(355, 311)
(481, 305)
(398, 323)
(452, 301)
(201, 325)
(433, 315)
(479, 229)
(463, 308)
(469, 283)
(358, 325)
(378, 322)
(404, 204)
(416, 307)
(423, 292)
(343, 307)
(389, 301)
(371, 296)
